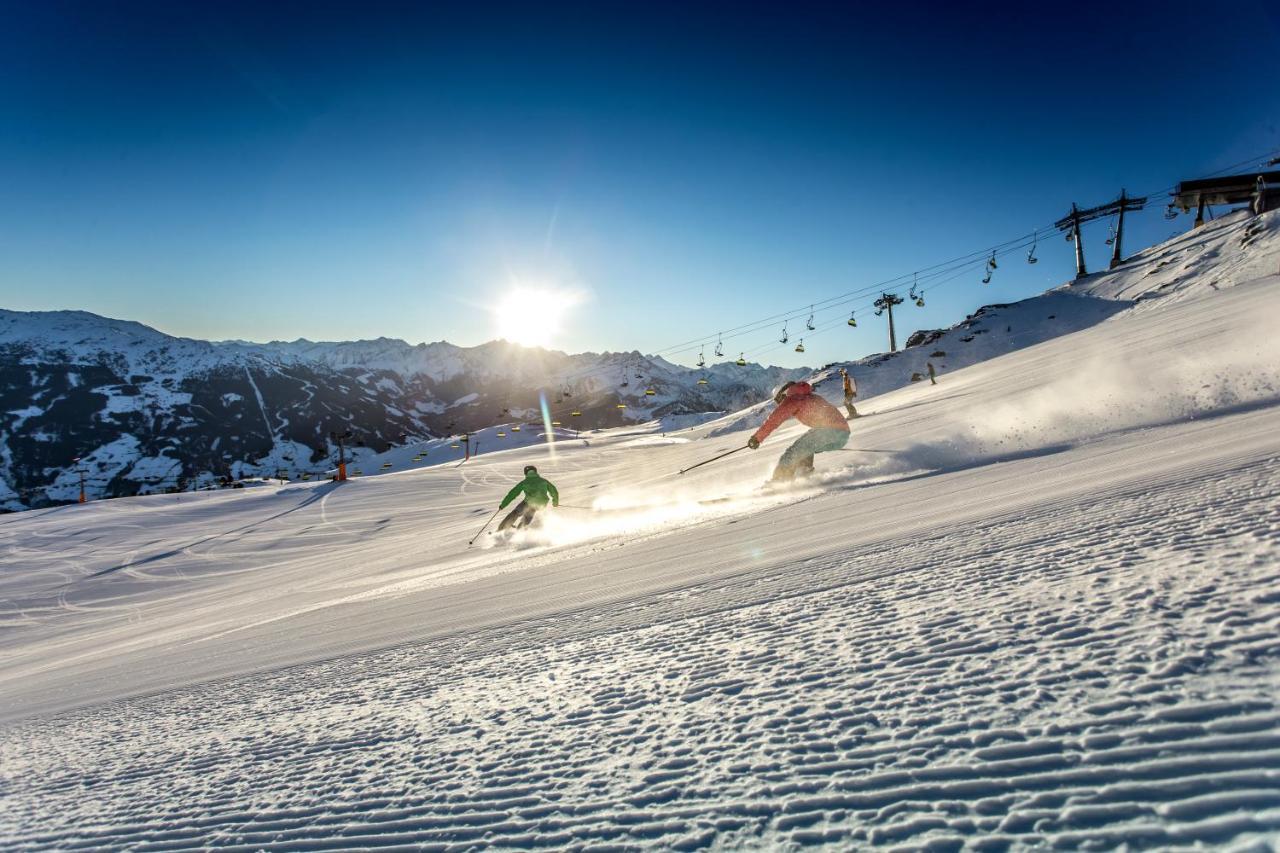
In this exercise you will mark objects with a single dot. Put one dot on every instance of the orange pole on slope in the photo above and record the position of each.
(342, 455)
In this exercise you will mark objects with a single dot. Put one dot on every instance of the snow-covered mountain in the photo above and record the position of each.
(1033, 607)
(146, 411)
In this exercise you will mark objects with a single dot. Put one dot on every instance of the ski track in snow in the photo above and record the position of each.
(1026, 684)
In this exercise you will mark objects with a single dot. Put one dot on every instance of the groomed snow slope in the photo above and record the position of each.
(1039, 607)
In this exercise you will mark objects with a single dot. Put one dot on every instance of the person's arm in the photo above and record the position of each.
(555, 495)
(780, 414)
(512, 495)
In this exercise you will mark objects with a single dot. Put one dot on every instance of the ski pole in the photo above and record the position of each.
(486, 524)
(713, 459)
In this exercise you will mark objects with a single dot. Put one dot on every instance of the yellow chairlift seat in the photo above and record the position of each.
(502, 435)
(741, 362)
(555, 423)
(455, 445)
(516, 428)
(649, 392)
(386, 465)
(575, 413)
(702, 380)
(622, 405)
(800, 346)
(852, 321)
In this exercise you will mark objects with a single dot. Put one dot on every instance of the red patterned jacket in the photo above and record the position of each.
(806, 407)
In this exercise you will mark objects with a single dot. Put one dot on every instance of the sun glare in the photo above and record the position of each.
(533, 316)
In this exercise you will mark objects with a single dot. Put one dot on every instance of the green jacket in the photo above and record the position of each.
(537, 492)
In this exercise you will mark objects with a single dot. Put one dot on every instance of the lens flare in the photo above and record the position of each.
(546, 423)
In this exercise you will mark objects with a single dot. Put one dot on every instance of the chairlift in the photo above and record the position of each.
(1170, 212)
(621, 406)
(386, 465)
(783, 339)
(566, 391)
(575, 413)
(455, 445)
(702, 361)
(853, 321)
(919, 300)
(649, 392)
(702, 380)
(1111, 234)
(912, 294)
(1031, 255)
(991, 261)
(502, 435)
(800, 346)
(516, 428)
(986, 279)
(719, 346)
(555, 423)
(809, 323)
(741, 362)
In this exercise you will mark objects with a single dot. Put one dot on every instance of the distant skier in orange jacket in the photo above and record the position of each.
(828, 429)
(850, 391)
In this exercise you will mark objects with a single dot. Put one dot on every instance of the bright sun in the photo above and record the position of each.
(532, 316)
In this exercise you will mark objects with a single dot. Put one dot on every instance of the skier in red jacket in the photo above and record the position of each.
(828, 430)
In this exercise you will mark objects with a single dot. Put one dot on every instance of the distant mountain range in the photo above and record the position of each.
(145, 411)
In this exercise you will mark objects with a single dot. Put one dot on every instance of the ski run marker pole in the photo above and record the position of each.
(486, 524)
(714, 458)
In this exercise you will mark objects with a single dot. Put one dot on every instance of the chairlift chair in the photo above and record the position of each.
(800, 346)
(702, 380)
(719, 346)
(991, 261)
(555, 423)
(783, 339)
(920, 300)
(502, 435)
(1031, 254)
(516, 428)
(741, 362)
(702, 361)
(575, 413)
(809, 323)
(986, 279)
(649, 392)
(853, 321)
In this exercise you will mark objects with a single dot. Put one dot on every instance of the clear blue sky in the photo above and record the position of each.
(270, 171)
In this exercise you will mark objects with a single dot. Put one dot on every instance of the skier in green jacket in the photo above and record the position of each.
(537, 492)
